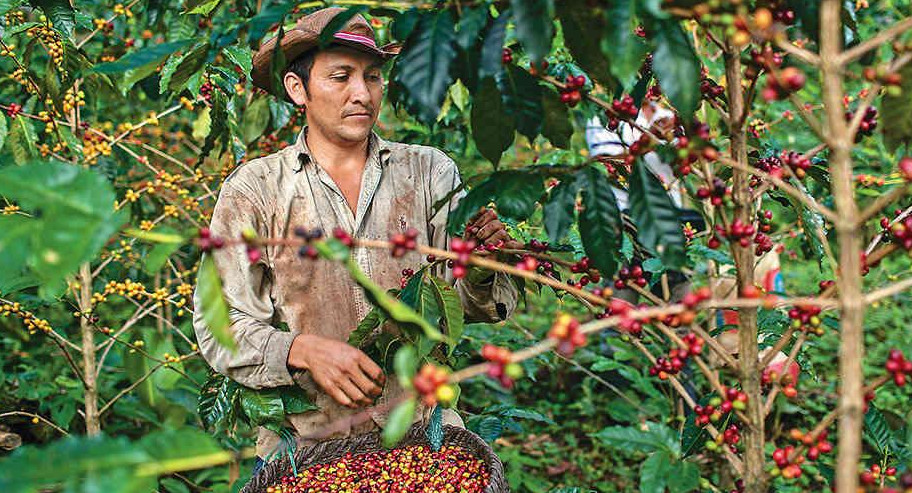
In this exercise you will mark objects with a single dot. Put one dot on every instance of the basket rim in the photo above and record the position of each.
(330, 450)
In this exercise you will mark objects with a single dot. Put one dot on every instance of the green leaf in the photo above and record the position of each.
(471, 23)
(522, 99)
(202, 125)
(515, 192)
(451, 309)
(212, 303)
(7, 5)
(677, 68)
(258, 25)
(189, 65)
(621, 45)
(73, 211)
(492, 127)
(534, 27)
(492, 47)
(654, 473)
(685, 475)
(263, 407)
(655, 215)
(879, 434)
(396, 310)
(560, 209)
(205, 8)
(405, 365)
(556, 126)
(22, 141)
(15, 232)
(489, 428)
(147, 55)
(218, 400)
(240, 57)
(399, 422)
(256, 118)
(599, 221)
(219, 129)
(362, 333)
(295, 400)
(582, 35)
(648, 437)
(423, 66)
(60, 13)
(156, 257)
(4, 129)
(897, 110)
(164, 235)
(136, 366)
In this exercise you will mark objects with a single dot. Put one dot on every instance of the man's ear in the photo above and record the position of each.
(295, 88)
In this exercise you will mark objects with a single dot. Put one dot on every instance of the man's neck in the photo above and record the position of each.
(336, 155)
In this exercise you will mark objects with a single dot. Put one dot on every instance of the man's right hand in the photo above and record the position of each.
(344, 372)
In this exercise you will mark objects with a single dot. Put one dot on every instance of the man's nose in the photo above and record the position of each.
(359, 92)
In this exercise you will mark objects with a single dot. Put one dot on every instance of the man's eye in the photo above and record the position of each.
(339, 78)
(374, 78)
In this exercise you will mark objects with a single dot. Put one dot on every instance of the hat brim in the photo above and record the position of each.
(296, 43)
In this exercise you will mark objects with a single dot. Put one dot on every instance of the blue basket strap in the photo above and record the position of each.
(435, 429)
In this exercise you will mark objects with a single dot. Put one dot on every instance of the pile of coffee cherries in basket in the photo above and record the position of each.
(415, 468)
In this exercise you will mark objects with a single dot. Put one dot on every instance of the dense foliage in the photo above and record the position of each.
(121, 120)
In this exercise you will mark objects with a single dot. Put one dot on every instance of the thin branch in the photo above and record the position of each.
(876, 240)
(883, 201)
(874, 42)
(890, 290)
(35, 416)
(802, 54)
(132, 386)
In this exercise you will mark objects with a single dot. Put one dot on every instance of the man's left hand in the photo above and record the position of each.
(485, 227)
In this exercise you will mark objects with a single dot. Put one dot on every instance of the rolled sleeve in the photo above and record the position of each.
(262, 350)
(486, 296)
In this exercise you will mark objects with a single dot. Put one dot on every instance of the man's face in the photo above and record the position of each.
(344, 94)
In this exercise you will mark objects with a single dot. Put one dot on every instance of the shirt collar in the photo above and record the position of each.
(377, 148)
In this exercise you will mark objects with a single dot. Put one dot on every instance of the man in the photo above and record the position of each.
(338, 173)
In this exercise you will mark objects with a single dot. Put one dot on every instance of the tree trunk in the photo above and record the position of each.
(92, 418)
(754, 459)
(849, 282)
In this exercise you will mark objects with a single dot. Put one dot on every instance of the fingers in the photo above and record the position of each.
(371, 369)
(354, 394)
(492, 232)
(365, 384)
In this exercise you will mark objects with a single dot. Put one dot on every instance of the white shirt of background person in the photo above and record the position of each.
(604, 142)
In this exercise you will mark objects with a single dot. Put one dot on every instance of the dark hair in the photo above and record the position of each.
(301, 66)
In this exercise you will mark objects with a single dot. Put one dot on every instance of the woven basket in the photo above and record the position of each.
(331, 450)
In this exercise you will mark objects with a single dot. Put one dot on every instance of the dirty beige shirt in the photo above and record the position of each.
(276, 193)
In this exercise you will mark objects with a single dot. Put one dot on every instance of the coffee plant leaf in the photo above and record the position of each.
(897, 109)
(73, 214)
(256, 119)
(655, 215)
(677, 68)
(395, 309)
(491, 62)
(145, 56)
(522, 100)
(647, 437)
(534, 27)
(295, 400)
(515, 192)
(405, 363)
(366, 327)
(583, 36)
(472, 21)
(7, 5)
(423, 66)
(189, 65)
(599, 221)
(4, 130)
(655, 473)
(492, 128)
(685, 477)
(259, 25)
(560, 209)
(218, 403)
(213, 304)
(399, 422)
(61, 14)
(556, 126)
(451, 310)
(621, 45)
(22, 141)
(263, 407)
